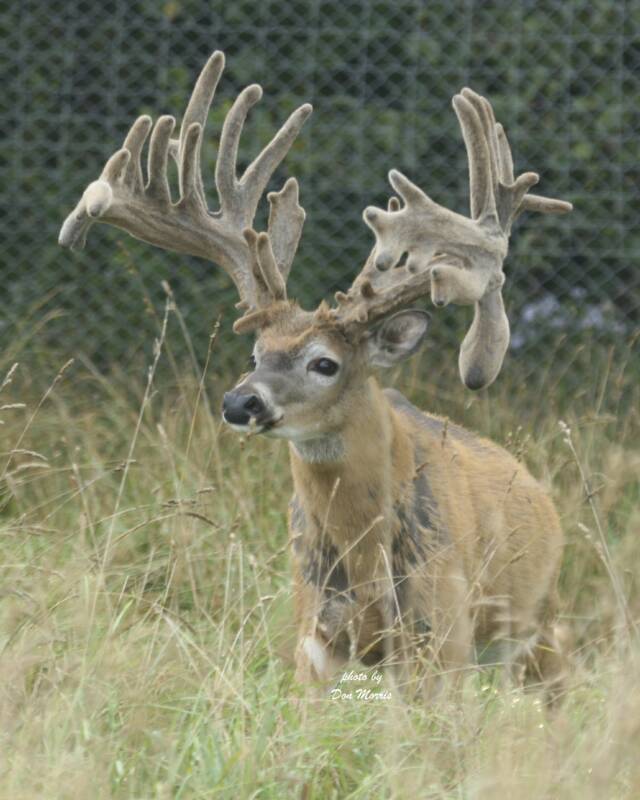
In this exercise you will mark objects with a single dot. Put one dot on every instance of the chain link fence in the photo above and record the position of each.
(562, 76)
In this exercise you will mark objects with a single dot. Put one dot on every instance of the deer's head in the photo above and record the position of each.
(310, 365)
(308, 370)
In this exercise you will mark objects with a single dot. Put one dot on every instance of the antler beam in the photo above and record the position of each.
(258, 264)
(453, 258)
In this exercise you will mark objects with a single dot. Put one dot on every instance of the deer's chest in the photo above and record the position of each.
(363, 573)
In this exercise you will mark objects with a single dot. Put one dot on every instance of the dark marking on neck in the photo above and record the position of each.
(425, 505)
(418, 530)
(408, 541)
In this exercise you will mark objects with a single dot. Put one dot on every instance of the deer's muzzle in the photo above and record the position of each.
(238, 407)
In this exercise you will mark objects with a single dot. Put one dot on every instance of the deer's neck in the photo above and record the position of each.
(345, 482)
(326, 450)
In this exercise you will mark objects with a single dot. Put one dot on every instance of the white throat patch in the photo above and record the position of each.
(320, 450)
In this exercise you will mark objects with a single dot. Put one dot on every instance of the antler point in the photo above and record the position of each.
(253, 93)
(370, 213)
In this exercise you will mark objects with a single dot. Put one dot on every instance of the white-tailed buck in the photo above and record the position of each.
(413, 540)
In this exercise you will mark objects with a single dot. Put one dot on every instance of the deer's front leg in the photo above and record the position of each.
(323, 603)
(323, 647)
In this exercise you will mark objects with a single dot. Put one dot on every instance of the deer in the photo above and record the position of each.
(414, 543)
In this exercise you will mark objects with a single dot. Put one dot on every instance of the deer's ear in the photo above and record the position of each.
(397, 338)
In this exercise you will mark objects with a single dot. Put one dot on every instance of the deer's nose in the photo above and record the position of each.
(238, 408)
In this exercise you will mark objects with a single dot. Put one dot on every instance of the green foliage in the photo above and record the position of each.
(562, 77)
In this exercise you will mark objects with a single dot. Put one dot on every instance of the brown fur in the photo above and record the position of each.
(466, 547)
(410, 536)
(422, 542)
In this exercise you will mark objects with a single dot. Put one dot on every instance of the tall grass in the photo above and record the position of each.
(145, 605)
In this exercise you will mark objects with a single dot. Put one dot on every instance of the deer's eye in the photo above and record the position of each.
(251, 361)
(325, 366)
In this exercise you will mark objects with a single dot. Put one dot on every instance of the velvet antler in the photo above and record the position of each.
(423, 248)
(258, 263)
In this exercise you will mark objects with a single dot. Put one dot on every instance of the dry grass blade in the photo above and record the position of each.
(146, 631)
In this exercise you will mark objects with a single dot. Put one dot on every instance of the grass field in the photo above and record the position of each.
(145, 604)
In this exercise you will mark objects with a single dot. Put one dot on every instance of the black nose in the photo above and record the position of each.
(238, 408)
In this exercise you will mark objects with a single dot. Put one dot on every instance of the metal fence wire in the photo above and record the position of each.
(562, 76)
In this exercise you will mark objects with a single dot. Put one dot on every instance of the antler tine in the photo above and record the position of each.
(482, 200)
(199, 105)
(134, 143)
(504, 156)
(544, 205)
(259, 172)
(490, 163)
(158, 184)
(458, 259)
(491, 175)
(286, 218)
(241, 197)
(232, 201)
(530, 202)
(191, 191)
(257, 265)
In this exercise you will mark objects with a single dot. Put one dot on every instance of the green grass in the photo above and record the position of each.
(145, 604)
